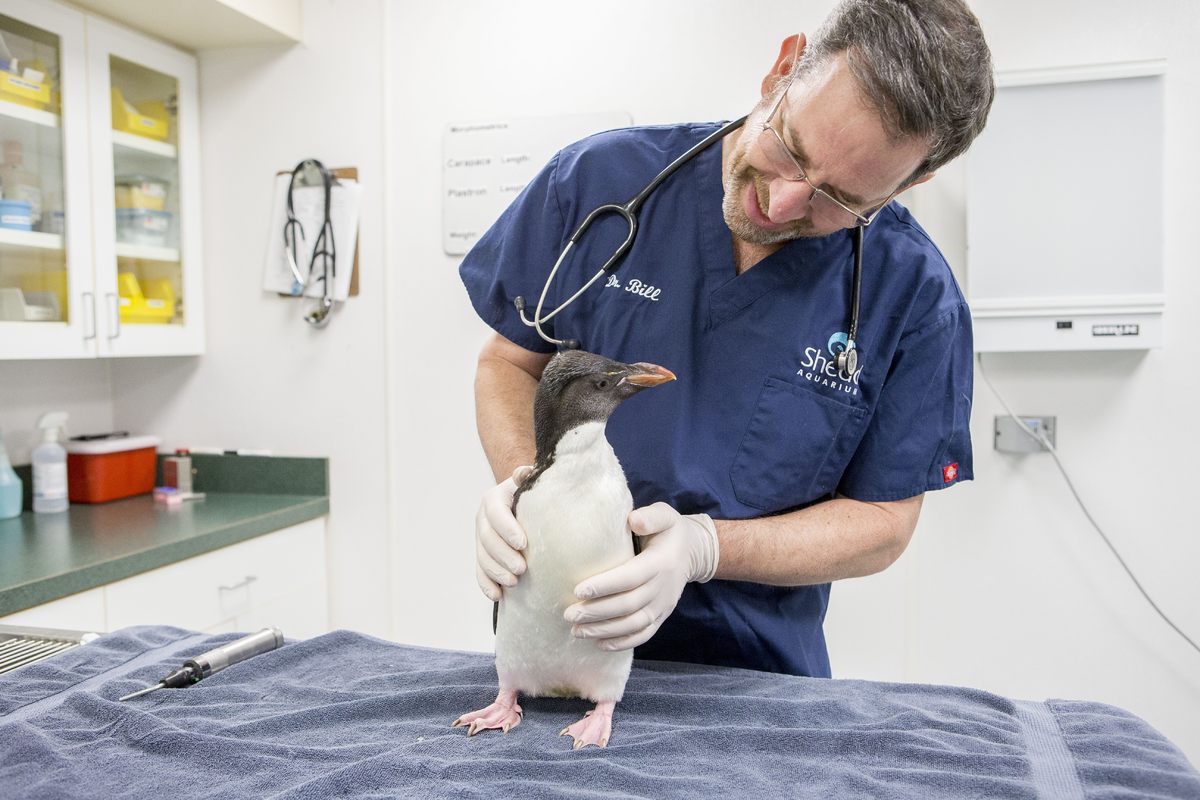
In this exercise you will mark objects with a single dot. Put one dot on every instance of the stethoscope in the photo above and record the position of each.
(846, 360)
(325, 248)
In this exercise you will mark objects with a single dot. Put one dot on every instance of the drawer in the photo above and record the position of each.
(207, 590)
(76, 612)
(300, 616)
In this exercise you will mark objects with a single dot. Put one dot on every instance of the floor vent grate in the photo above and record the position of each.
(21, 646)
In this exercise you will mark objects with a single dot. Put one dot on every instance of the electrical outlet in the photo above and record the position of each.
(1011, 438)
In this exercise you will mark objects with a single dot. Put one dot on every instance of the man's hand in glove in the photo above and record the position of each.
(624, 607)
(499, 538)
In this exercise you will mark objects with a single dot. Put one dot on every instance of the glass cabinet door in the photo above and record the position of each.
(145, 157)
(144, 166)
(45, 266)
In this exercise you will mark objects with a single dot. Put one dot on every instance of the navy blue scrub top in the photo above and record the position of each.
(758, 422)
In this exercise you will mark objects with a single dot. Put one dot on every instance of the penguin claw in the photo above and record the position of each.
(594, 729)
(504, 714)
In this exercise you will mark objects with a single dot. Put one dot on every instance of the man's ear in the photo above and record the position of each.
(789, 54)
(917, 181)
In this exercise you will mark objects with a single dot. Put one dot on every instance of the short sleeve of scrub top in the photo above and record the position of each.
(512, 259)
(759, 422)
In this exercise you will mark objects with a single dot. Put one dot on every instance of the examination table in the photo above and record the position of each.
(346, 715)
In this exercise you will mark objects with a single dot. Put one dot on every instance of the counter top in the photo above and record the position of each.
(44, 557)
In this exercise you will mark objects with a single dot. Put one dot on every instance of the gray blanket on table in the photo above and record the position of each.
(346, 715)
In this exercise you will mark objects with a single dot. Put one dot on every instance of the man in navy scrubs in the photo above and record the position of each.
(764, 473)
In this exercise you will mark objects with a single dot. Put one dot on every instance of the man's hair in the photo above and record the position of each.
(922, 64)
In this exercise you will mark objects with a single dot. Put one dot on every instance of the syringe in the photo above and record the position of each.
(196, 669)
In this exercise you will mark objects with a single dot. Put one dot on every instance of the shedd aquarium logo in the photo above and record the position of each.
(822, 369)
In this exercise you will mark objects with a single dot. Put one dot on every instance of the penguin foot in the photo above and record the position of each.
(504, 714)
(594, 728)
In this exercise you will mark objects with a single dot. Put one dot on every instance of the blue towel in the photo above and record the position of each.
(346, 715)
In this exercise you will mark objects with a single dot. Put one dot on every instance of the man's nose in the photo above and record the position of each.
(790, 200)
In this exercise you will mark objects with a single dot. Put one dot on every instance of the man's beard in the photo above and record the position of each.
(735, 214)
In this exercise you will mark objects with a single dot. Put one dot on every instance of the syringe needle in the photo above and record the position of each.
(159, 685)
(215, 660)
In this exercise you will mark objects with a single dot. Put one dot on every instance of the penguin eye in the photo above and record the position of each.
(602, 384)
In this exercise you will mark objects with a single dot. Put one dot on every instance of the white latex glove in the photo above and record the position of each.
(499, 537)
(625, 606)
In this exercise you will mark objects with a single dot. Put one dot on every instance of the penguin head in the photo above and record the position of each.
(578, 387)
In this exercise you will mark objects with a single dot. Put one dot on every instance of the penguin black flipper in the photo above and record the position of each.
(525, 486)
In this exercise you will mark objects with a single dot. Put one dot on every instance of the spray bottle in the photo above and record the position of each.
(50, 465)
(10, 487)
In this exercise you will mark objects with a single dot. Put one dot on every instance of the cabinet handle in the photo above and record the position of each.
(89, 315)
(246, 581)
(115, 319)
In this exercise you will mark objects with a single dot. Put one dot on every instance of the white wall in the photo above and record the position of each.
(1005, 587)
(1012, 587)
(29, 389)
(465, 61)
(269, 380)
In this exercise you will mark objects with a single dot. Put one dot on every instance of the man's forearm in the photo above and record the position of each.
(503, 403)
(840, 538)
(505, 383)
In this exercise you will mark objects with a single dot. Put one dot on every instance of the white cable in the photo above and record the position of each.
(1041, 438)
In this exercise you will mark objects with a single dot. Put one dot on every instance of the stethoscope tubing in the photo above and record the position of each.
(326, 245)
(628, 211)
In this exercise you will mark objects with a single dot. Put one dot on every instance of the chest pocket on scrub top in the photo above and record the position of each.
(795, 447)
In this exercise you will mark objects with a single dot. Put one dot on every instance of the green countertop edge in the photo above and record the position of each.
(46, 590)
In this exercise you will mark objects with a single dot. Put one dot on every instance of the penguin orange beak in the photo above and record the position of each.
(650, 375)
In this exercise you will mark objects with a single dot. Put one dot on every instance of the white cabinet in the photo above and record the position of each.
(282, 571)
(77, 612)
(277, 579)
(99, 124)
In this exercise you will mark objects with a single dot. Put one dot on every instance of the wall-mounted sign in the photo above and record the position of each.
(485, 165)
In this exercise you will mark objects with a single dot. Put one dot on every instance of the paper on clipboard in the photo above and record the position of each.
(308, 204)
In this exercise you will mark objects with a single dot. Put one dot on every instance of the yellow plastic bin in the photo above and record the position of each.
(149, 302)
(141, 191)
(146, 119)
(24, 92)
(54, 281)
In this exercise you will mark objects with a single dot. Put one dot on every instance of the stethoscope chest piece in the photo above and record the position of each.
(847, 361)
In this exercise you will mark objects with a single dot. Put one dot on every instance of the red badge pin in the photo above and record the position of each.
(949, 472)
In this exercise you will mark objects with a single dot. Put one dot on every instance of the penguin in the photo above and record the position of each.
(574, 507)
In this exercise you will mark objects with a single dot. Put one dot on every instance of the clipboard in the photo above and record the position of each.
(275, 249)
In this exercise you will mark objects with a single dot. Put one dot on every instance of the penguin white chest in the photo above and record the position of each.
(576, 519)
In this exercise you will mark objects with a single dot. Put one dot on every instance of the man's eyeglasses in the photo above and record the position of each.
(825, 206)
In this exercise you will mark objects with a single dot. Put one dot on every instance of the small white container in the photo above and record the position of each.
(143, 226)
(50, 466)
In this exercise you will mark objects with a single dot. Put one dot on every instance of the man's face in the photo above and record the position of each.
(836, 138)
